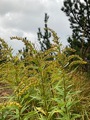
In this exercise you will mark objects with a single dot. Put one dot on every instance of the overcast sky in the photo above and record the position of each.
(23, 17)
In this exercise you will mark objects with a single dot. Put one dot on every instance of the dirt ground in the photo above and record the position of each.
(5, 91)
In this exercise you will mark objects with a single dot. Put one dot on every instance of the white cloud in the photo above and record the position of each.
(23, 17)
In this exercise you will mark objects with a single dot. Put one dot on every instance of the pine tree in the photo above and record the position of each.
(44, 40)
(78, 13)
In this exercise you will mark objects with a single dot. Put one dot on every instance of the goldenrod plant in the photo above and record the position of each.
(44, 86)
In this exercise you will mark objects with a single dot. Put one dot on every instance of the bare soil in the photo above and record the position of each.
(5, 91)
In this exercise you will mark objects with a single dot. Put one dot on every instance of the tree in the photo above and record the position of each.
(44, 40)
(79, 16)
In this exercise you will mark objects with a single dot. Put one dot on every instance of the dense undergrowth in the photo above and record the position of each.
(47, 85)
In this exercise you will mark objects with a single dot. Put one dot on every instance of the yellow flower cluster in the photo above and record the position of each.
(6, 104)
(77, 62)
(33, 82)
(74, 56)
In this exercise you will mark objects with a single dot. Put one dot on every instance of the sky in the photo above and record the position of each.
(22, 18)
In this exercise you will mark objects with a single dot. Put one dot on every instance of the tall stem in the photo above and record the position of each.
(64, 83)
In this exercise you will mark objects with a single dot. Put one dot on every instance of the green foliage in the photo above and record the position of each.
(5, 51)
(44, 89)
